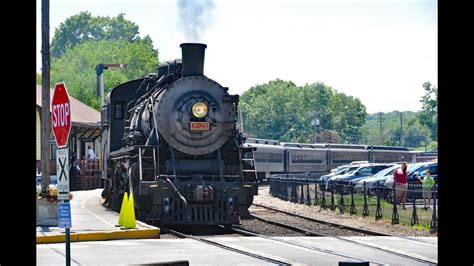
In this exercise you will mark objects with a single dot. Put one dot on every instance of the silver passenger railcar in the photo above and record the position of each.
(268, 157)
(273, 157)
(301, 158)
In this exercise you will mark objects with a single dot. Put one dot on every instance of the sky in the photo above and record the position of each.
(380, 51)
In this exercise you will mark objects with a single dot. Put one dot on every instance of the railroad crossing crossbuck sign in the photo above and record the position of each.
(62, 171)
(61, 114)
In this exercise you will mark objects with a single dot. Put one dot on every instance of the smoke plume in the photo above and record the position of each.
(195, 16)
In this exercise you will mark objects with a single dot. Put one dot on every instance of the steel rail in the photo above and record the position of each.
(355, 229)
(207, 241)
(423, 260)
(331, 252)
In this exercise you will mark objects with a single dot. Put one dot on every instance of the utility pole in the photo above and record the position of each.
(381, 136)
(45, 98)
(401, 129)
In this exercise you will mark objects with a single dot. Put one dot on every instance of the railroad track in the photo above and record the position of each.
(355, 229)
(342, 227)
(267, 258)
(327, 251)
(259, 226)
(227, 247)
(335, 225)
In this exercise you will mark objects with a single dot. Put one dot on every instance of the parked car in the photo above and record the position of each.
(418, 169)
(358, 162)
(371, 182)
(420, 172)
(414, 171)
(340, 171)
(364, 170)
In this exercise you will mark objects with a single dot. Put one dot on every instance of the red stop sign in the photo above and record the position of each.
(61, 114)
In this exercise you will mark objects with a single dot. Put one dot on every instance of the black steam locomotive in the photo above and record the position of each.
(171, 138)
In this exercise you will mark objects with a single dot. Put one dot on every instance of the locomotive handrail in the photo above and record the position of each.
(176, 191)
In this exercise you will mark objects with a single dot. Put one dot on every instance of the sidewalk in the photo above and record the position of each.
(91, 222)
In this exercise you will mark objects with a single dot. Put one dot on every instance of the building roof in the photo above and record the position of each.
(81, 114)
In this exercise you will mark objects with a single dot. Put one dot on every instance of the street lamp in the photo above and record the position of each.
(99, 69)
(292, 133)
(317, 125)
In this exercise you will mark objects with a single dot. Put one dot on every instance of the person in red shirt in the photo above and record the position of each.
(401, 184)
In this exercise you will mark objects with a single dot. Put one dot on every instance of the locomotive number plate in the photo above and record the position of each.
(200, 126)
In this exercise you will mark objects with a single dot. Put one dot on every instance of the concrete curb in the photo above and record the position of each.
(100, 235)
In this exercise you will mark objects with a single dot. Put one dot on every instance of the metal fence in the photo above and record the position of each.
(375, 200)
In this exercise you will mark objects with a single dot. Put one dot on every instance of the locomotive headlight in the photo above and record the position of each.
(199, 110)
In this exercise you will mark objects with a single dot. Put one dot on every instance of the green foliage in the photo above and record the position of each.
(419, 128)
(413, 132)
(283, 111)
(348, 115)
(39, 81)
(267, 112)
(433, 146)
(76, 67)
(429, 113)
(84, 27)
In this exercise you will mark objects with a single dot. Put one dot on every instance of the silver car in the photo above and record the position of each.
(372, 181)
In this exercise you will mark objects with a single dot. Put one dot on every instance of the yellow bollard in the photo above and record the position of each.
(129, 221)
(123, 209)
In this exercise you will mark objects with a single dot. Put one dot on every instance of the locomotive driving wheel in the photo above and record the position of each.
(119, 186)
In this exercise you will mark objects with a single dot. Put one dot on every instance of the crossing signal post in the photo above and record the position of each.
(61, 123)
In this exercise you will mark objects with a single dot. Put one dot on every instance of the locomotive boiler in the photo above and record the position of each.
(170, 138)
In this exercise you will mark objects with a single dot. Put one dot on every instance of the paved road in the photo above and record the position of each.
(122, 252)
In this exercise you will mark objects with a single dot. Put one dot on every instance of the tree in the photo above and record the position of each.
(433, 146)
(429, 111)
(415, 133)
(283, 111)
(267, 112)
(348, 116)
(84, 27)
(412, 130)
(76, 67)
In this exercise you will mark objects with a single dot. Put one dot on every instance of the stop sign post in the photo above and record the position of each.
(61, 123)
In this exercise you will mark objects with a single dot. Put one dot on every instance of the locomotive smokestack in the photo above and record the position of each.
(193, 58)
